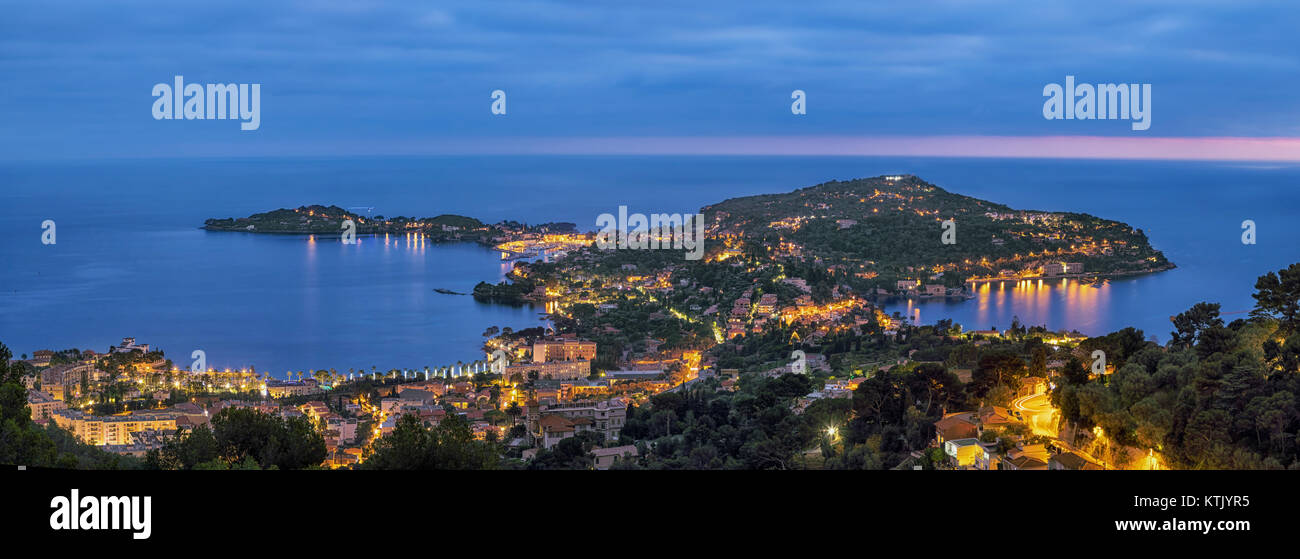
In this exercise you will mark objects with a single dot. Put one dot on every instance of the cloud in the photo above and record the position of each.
(75, 75)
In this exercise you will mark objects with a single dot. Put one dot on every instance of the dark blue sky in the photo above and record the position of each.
(403, 76)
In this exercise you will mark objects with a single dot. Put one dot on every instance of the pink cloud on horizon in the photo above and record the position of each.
(1065, 147)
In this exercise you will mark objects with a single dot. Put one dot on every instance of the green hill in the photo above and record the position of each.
(887, 228)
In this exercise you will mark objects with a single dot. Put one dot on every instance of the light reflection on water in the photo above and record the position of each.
(1056, 303)
(122, 267)
(274, 302)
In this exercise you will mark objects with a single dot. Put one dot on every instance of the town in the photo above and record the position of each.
(770, 352)
(129, 400)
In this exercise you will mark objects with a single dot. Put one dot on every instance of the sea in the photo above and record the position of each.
(130, 259)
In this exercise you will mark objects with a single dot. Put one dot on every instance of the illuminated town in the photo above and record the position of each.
(772, 334)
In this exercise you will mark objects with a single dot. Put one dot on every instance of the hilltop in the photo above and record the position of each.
(882, 229)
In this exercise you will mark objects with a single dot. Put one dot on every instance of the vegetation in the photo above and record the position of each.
(703, 428)
(449, 446)
(507, 293)
(243, 438)
(883, 229)
(329, 220)
(1219, 397)
(23, 442)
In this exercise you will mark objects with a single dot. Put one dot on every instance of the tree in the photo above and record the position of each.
(270, 440)
(23, 442)
(1277, 295)
(1189, 325)
(449, 446)
(186, 450)
(1038, 361)
(20, 442)
(998, 367)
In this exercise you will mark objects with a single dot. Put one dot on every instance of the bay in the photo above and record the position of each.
(131, 261)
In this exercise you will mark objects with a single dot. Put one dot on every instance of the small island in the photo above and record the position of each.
(329, 221)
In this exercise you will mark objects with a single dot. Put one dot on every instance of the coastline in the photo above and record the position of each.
(1084, 275)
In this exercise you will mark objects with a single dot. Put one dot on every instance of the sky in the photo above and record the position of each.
(955, 78)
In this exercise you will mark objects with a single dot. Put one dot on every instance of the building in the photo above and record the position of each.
(314, 409)
(551, 429)
(955, 426)
(1024, 463)
(129, 345)
(142, 442)
(189, 414)
(410, 398)
(545, 351)
(346, 427)
(43, 404)
(963, 452)
(41, 357)
(605, 458)
(111, 430)
(996, 417)
(553, 370)
(286, 388)
(557, 359)
(435, 387)
(1028, 457)
(1071, 461)
(1062, 268)
(548, 425)
(60, 379)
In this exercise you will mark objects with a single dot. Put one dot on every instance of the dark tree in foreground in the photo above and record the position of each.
(1277, 295)
(1189, 325)
(449, 446)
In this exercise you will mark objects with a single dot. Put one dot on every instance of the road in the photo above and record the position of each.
(1042, 419)
(1038, 413)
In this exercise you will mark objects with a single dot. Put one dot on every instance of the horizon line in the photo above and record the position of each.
(1160, 148)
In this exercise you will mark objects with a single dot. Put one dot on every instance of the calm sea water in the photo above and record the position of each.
(131, 261)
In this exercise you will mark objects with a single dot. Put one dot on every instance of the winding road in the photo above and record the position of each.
(1038, 413)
